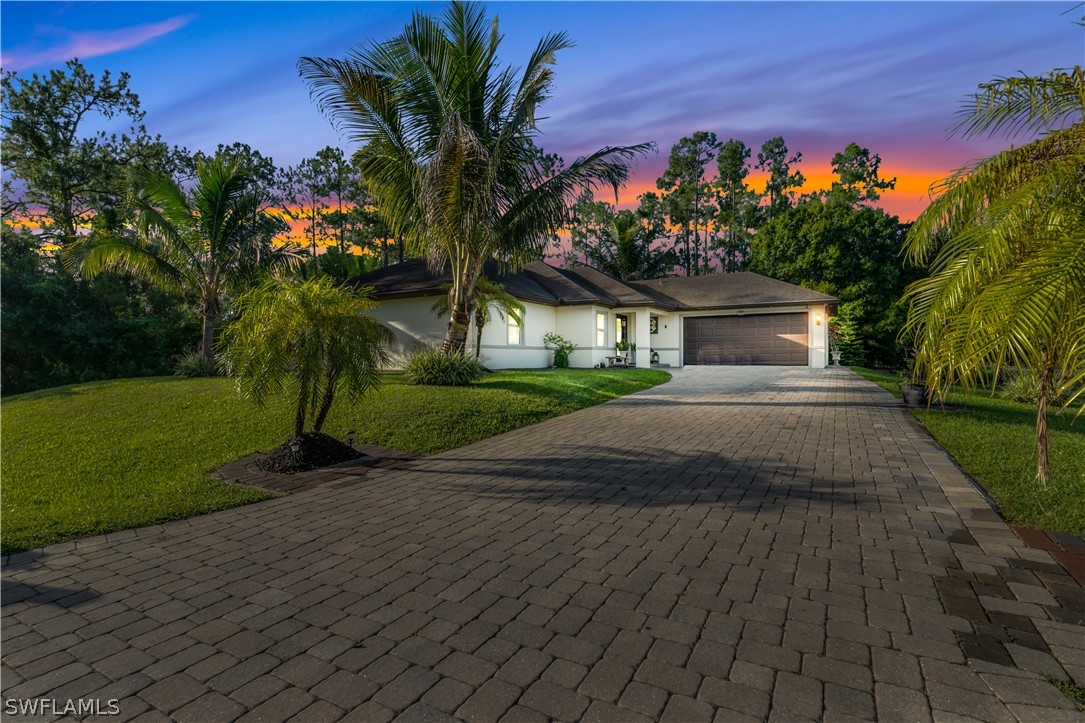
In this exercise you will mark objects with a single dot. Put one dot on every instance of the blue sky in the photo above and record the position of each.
(887, 75)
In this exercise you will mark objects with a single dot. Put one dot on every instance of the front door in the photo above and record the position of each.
(621, 329)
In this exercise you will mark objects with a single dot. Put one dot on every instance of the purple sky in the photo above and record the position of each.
(887, 75)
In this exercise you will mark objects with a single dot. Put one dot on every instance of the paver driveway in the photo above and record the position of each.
(738, 543)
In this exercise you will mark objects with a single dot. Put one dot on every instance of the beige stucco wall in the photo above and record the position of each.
(414, 324)
(497, 353)
(577, 324)
(668, 340)
(415, 327)
(817, 321)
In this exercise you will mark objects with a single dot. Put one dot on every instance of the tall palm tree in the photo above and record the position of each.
(625, 251)
(1005, 243)
(201, 243)
(488, 295)
(446, 145)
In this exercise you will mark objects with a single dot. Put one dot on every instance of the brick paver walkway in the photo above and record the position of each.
(741, 543)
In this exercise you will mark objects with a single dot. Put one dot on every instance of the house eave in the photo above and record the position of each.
(760, 305)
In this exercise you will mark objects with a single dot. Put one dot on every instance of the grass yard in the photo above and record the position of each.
(93, 458)
(994, 440)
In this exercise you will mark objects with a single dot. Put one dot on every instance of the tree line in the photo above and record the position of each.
(702, 222)
(68, 188)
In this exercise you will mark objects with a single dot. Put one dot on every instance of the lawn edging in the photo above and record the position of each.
(991, 439)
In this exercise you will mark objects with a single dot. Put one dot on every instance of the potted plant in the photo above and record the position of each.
(834, 341)
(623, 347)
(912, 388)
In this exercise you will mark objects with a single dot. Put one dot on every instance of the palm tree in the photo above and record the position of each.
(488, 294)
(201, 243)
(446, 145)
(310, 342)
(1005, 243)
(625, 251)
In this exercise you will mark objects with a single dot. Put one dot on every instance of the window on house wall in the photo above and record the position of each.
(600, 328)
(516, 332)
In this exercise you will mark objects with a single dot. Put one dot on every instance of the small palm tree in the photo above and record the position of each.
(488, 295)
(311, 342)
(446, 145)
(1005, 244)
(201, 243)
(626, 251)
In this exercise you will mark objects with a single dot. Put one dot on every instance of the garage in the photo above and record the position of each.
(771, 339)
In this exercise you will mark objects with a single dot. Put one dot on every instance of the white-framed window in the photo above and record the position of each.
(600, 328)
(516, 332)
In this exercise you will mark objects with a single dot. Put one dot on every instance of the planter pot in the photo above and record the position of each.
(915, 395)
(835, 357)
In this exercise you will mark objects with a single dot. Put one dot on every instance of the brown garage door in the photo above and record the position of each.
(778, 339)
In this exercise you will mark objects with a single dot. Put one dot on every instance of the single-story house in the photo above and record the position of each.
(740, 318)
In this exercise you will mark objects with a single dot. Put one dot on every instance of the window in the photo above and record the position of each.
(516, 332)
(600, 328)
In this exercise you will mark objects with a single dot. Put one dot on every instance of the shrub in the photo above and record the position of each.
(194, 364)
(434, 367)
(562, 349)
(1024, 386)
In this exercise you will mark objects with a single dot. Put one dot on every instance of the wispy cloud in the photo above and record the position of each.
(62, 44)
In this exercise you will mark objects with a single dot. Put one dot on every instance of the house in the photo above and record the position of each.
(740, 318)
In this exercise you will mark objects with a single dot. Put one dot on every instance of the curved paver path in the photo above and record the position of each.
(738, 543)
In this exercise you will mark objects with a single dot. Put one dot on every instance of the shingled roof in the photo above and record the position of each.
(743, 288)
(545, 284)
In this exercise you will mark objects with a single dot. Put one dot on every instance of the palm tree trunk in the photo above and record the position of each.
(1043, 468)
(466, 273)
(480, 321)
(207, 342)
(299, 418)
(325, 402)
(208, 312)
(455, 340)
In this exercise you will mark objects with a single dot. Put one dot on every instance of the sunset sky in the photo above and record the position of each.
(889, 76)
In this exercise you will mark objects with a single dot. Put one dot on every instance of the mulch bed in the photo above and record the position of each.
(247, 471)
(309, 451)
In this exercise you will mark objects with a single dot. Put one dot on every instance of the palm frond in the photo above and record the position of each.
(1024, 104)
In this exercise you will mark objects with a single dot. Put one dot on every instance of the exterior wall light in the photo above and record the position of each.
(817, 319)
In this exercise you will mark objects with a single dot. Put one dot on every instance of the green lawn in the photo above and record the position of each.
(93, 458)
(994, 440)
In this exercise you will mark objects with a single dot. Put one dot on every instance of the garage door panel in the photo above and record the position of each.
(771, 339)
